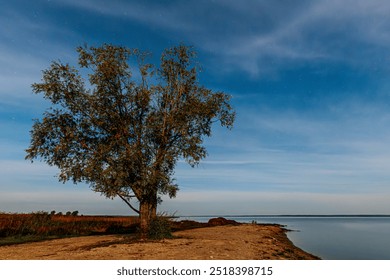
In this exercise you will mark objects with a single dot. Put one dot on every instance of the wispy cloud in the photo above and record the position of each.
(261, 35)
(20, 173)
(298, 143)
(275, 203)
(254, 40)
(29, 42)
(292, 152)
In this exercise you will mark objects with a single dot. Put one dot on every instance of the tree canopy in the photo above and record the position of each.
(124, 128)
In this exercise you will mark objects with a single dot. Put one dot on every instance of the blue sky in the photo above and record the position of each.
(310, 85)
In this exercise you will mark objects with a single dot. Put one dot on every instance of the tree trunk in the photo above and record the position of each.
(147, 212)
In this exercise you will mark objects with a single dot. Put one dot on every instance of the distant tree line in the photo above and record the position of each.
(69, 213)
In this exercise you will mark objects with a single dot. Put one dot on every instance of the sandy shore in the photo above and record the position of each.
(238, 242)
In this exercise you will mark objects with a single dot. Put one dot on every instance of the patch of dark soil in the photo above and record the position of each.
(187, 224)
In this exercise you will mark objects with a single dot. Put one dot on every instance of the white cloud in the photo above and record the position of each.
(343, 154)
(19, 71)
(260, 36)
(329, 30)
(19, 174)
(291, 152)
(29, 43)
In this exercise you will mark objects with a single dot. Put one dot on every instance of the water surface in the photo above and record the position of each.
(332, 237)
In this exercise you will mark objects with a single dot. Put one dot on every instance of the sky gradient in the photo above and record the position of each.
(310, 85)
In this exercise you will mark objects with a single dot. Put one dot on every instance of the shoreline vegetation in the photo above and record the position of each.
(43, 236)
(37, 226)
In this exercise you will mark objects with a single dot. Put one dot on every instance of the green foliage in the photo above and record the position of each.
(160, 228)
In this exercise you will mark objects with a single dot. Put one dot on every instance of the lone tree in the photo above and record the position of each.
(123, 133)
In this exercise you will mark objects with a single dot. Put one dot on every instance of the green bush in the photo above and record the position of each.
(160, 228)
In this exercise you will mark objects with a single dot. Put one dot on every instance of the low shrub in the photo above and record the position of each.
(160, 228)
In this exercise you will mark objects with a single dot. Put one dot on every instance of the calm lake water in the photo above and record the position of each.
(331, 238)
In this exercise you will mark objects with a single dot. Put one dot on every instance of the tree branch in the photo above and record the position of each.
(128, 203)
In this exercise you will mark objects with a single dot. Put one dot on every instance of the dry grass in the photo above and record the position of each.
(17, 228)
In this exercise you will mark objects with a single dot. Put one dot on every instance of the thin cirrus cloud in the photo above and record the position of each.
(262, 35)
(249, 36)
(300, 154)
(27, 47)
(309, 84)
(277, 203)
(246, 29)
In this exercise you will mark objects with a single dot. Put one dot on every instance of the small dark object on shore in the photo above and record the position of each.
(221, 222)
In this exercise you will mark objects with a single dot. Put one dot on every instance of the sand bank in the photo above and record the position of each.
(228, 242)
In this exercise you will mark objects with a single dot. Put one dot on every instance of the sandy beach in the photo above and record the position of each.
(228, 242)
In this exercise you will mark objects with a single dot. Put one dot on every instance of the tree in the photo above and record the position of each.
(123, 133)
